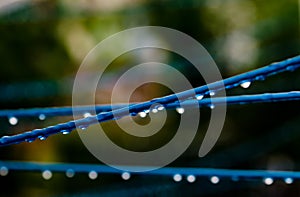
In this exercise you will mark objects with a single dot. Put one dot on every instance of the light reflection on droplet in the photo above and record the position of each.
(13, 120)
(212, 93)
(142, 114)
(87, 114)
(47, 174)
(191, 178)
(246, 84)
(65, 132)
(214, 179)
(125, 175)
(42, 116)
(199, 97)
(160, 108)
(70, 173)
(288, 180)
(177, 177)
(180, 110)
(268, 181)
(154, 110)
(93, 175)
(212, 106)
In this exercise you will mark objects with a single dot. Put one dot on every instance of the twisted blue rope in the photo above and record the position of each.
(166, 171)
(258, 74)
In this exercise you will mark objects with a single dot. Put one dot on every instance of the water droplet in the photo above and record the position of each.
(177, 177)
(125, 175)
(42, 137)
(3, 171)
(13, 120)
(147, 111)
(93, 175)
(268, 181)
(191, 178)
(42, 117)
(160, 107)
(142, 114)
(260, 78)
(70, 173)
(29, 140)
(246, 84)
(154, 110)
(65, 132)
(47, 174)
(214, 180)
(87, 114)
(180, 110)
(199, 96)
(83, 127)
(288, 180)
(212, 106)
(212, 93)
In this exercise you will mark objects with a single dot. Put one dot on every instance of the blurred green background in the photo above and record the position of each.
(43, 42)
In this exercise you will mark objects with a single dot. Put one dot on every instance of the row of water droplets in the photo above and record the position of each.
(70, 173)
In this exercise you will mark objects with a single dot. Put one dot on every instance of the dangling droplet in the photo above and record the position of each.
(47, 174)
(288, 180)
(142, 114)
(147, 111)
(70, 173)
(154, 110)
(87, 114)
(214, 180)
(42, 116)
(245, 84)
(180, 110)
(83, 127)
(160, 107)
(191, 178)
(93, 175)
(29, 140)
(3, 171)
(65, 132)
(199, 96)
(260, 78)
(43, 137)
(125, 175)
(212, 106)
(177, 177)
(212, 93)
(268, 181)
(13, 120)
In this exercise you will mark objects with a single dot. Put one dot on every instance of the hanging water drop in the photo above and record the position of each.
(42, 138)
(29, 140)
(70, 173)
(13, 120)
(47, 174)
(199, 96)
(246, 84)
(180, 110)
(154, 110)
(125, 175)
(93, 175)
(65, 132)
(42, 116)
(268, 181)
(214, 180)
(3, 171)
(83, 127)
(288, 180)
(212, 106)
(191, 178)
(212, 93)
(147, 111)
(142, 114)
(87, 114)
(177, 177)
(160, 107)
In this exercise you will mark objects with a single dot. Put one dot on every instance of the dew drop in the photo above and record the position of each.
(93, 175)
(212, 93)
(246, 84)
(65, 132)
(147, 111)
(160, 107)
(214, 180)
(191, 178)
(83, 127)
(3, 171)
(47, 174)
(13, 120)
(142, 114)
(180, 110)
(212, 106)
(288, 180)
(154, 110)
(70, 173)
(42, 116)
(177, 177)
(87, 114)
(125, 175)
(42, 137)
(199, 97)
(29, 140)
(268, 181)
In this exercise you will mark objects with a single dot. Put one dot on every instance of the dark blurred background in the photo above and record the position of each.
(43, 42)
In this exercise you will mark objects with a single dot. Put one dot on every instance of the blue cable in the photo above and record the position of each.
(248, 77)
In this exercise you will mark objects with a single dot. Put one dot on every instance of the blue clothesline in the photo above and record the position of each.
(248, 77)
(176, 172)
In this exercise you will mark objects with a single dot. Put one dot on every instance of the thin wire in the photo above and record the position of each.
(206, 102)
(166, 171)
(248, 77)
